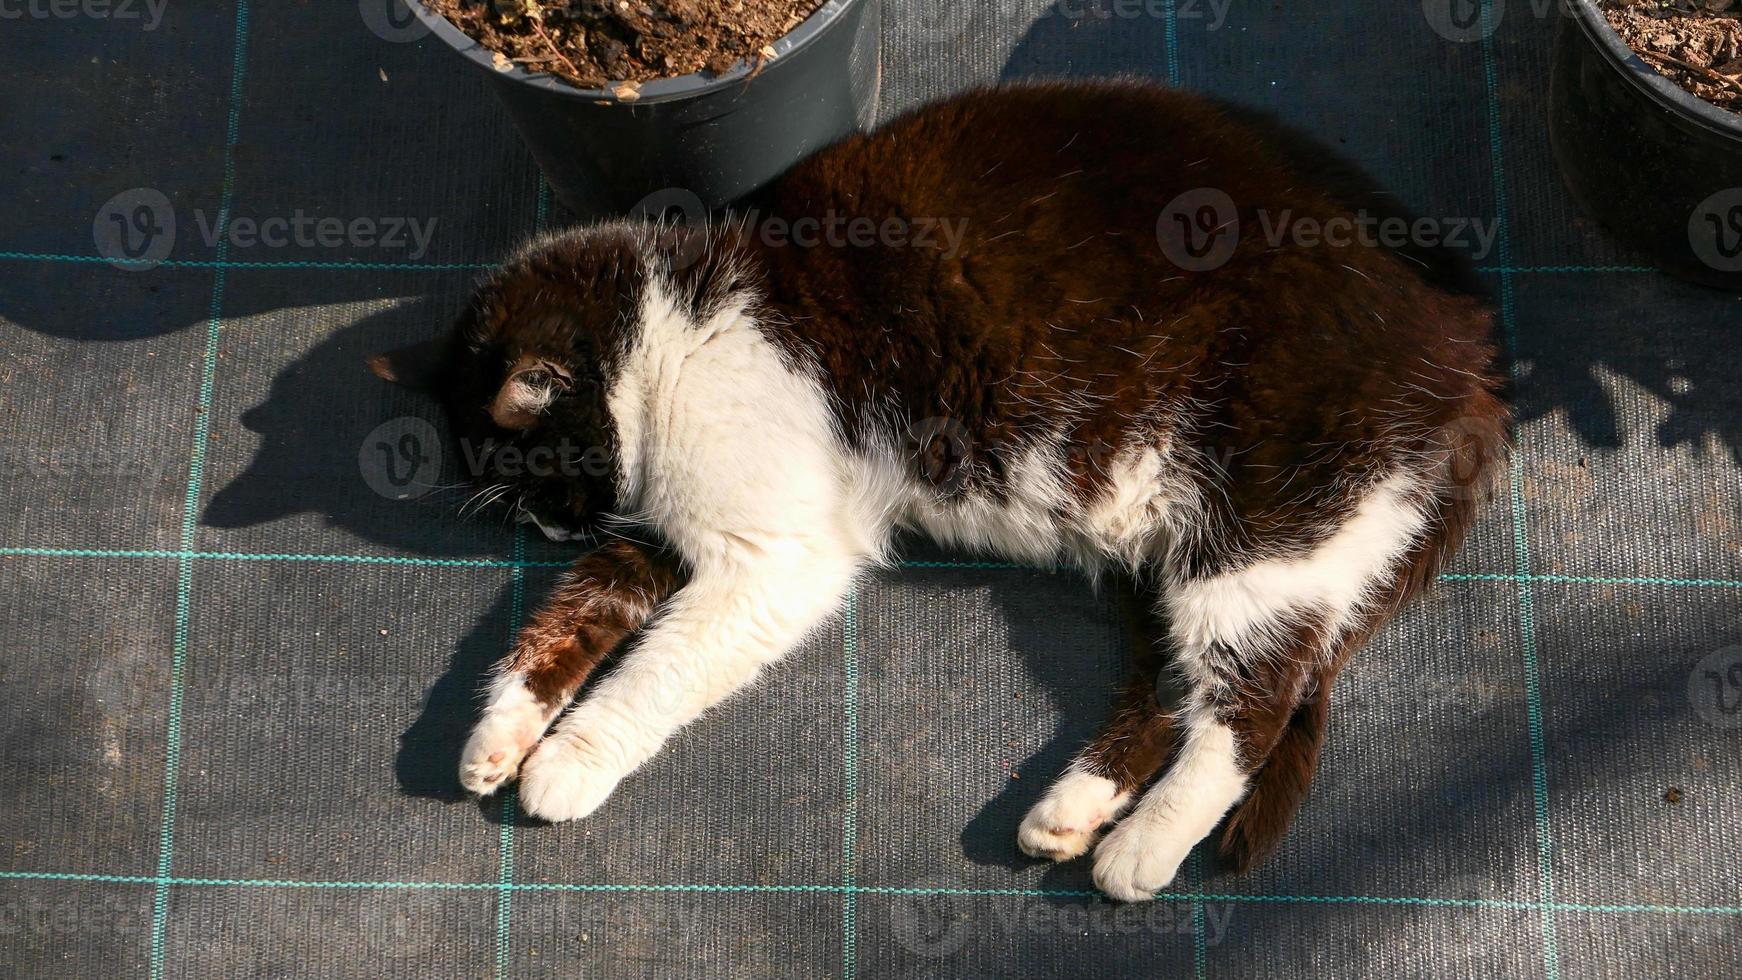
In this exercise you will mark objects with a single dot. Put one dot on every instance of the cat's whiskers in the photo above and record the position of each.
(485, 497)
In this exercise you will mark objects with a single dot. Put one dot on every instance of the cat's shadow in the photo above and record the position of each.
(1079, 688)
(427, 763)
(1090, 39)
(302, 466)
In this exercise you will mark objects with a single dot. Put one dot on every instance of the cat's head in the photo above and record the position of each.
(524, 373)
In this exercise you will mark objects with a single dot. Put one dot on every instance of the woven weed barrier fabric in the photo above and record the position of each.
(235, 677)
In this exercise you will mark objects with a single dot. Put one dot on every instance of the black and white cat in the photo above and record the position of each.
(1273, 449)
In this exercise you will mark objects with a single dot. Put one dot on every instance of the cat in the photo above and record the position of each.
(1270, 452)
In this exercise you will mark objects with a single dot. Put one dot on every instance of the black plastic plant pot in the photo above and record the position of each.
(718, 137)
(1657, 166)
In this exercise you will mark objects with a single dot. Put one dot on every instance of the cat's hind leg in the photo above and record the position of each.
(606, 596)
(1130, 748)
(1250, 642)
(1241, 697)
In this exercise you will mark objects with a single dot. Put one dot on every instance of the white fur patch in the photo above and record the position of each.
(1065, 821)
(1127, 522)
(1143, 853)
(1239, 608)
(511, 725)
(1036, 519)
(732, 453)
(1024, 525)
(721, 443)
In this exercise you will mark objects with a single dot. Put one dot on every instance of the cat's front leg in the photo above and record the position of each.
(713, 637)
(606, 596)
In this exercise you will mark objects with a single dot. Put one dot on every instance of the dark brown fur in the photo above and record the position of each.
(1060, 293)
(600, 601)
(1278, 358)
(1138, 736)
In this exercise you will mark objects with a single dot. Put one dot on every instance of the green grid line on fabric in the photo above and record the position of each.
(1597, 908)
(1171, 22)
(191, 503)
(1200, 941)
(850, 784)
(33, 552)
(340, 265)
(1520, 525)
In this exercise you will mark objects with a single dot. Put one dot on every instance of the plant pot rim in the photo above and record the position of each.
(1656, 85)
(656, 90)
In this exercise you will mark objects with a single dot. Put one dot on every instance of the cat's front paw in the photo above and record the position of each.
(492, 756)
(1139, 858)
(509, 729)
(1064, 823)
(565, 779)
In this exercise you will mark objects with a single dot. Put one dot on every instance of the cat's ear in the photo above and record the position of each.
(533, 383)
(416, 366)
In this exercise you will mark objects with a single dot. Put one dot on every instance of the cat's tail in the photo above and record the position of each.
(1474, 447)
(1257, 824)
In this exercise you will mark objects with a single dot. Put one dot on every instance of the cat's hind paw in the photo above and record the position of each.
(1139, 857)
(1064, 823)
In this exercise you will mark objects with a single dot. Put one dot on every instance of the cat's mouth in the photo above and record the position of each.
(552, 529)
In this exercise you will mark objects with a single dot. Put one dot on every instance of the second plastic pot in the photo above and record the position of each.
(1658, 167)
